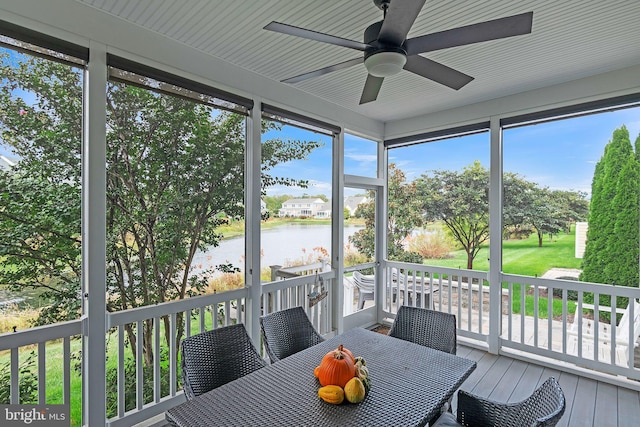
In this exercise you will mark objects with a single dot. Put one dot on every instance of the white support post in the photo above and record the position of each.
(381, 221)
(337, 232)
(94, 238)
(495, 237)
(252, 217)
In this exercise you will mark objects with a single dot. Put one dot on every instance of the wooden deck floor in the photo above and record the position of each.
(589, 402)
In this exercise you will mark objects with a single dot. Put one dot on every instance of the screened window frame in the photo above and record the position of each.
(172, 84)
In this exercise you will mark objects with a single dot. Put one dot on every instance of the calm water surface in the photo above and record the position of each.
(279, 246)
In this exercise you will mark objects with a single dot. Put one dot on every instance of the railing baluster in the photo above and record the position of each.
(523, 311)
(139, 365)
(535, 315)
(173, 347)
(565, 310)
(15, 380)
(42, 373)
(121, 374)
(156, 360)
(549, 318)
(66, 370)
(510, 311)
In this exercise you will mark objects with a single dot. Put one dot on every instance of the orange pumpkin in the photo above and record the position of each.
(336, 368)
(348, 353)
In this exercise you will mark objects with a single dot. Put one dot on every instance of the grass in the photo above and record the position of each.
(524, 257)
(54, 359)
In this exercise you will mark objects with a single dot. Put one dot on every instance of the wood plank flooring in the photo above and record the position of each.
(589, 402)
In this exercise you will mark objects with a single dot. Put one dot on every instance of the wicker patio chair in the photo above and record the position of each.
(287, 332)
(425, 327)
(544, 407)
(213, 358)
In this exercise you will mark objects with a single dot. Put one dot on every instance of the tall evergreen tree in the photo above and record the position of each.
(602, 214)
(623, 248)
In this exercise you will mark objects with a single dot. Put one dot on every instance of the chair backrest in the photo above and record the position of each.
(426, 327)
(622, 330)
(544, 407)
(366, 284)
(286, 332)
(213, 358)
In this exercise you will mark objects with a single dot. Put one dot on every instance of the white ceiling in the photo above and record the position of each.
(570, 39)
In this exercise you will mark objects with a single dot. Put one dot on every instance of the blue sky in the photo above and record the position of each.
(560, 154)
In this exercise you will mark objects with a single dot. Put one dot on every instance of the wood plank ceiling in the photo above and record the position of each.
(570, 39)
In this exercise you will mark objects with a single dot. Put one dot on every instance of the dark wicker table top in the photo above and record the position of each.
(409, 384)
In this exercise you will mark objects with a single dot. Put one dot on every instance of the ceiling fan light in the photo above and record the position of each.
(385, 64)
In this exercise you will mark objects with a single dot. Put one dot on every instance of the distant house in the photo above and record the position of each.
(309, 207)
(353, 202)
(318, 208)
(324, 211)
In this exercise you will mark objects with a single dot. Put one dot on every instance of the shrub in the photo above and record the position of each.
(353, 257)
(28, 381)
(130, 384)
(430, 245)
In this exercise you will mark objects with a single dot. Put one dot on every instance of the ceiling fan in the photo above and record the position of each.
(387, 50)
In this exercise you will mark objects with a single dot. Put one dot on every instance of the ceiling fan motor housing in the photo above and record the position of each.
(382, 60)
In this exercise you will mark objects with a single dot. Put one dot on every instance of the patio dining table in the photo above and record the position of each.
(409, 385)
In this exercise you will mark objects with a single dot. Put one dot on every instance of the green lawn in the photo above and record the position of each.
(521, 256)
(524, 257)
(54, 382)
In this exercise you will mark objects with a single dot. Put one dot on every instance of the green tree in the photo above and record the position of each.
(40, 196)
(573, 206)
(624, 244)
(173, 167)
(461, 201)
(404, 216)
(602, 214)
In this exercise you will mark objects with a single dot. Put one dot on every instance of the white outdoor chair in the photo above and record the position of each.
(622, 337)
(366, 285)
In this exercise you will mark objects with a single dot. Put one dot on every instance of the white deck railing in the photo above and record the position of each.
(547, 327)
(464, 293)
(38, 339)
(551, 325)
(144, 392)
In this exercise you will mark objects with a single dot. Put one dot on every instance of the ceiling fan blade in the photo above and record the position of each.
(437, 72)
(371, 89)
(398, 21)
(314, 35)
(489, 30)
(325, 70)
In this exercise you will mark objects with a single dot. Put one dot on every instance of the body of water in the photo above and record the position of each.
(281, 245)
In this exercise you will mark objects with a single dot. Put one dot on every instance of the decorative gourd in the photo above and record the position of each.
(354, 390)
(367, 385)
(316, 371)
(331, 394)
(362, 372)
(336, 368)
